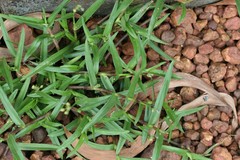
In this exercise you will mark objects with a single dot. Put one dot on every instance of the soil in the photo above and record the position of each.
(206, 44)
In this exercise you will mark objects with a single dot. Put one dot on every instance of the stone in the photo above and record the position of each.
(201, 59)
(201, 68)
(180, 36)
(206, 138)
(190, 17)
(188, 94)
(205, 48)
(184, 64)
(232, 23)
(168, 36)
(231, 84)
(210, 35)
(200, 24)
(210, 9)
(189, 51)
(153, 55)
(216, 56)
(230, 11)
(192, 134)
(193, 40)
(219, 126)
(231, 55)
(221, 153)
(206, 123)
(127, 49)
(212, 25)
(39, 134)
(217, 71)
(214, 114)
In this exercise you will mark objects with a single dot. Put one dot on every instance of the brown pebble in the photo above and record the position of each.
(231, 55)
(200, 24)
(188, 125)
(231, 84)
(206, 123)
(205, 48)
(225, 139)
(216, 56)
(161, 28)
(193, 40)
(180, 36)
(188, 94)
(232, 23)
(214, 114)
(220, 126)
(189, 51)
(189, 18)
(201, 148)
(201, 59)
(3, 147)
(174, 100)
(212, 25)
(190, 118)
(37, 155)
(153, 55)
(201, 68)
(221, 153)
(48, 157)
(172, 51)
(206, 138)
(127, 49)
(235, 35)
(224, 117)
(196, 125)
(192, 134)
(184, 64)
(210, 35)
(210, 9)
(230, 11)
(39, 134)
(208, 16)
(168, 36)
(217, 71)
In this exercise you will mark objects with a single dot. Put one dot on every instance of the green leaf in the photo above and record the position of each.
(5, 70)
(37, 146)
(10, 110)
(88, 13)
(14, 148)
(238, 6)
(157, 146)
(156, 13)
(116, 58)
(183, 15)
(89, 65)
(161, 96)
(18, 58)
(102, 112)
(57, 10)
(49, 61)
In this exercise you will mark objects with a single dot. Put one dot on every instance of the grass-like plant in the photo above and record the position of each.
(68, 79)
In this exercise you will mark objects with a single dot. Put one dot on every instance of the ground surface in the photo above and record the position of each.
(207, 45)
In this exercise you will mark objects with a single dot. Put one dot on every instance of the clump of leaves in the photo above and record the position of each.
(67, 78)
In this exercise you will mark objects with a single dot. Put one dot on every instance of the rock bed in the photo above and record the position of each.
(207, 45)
